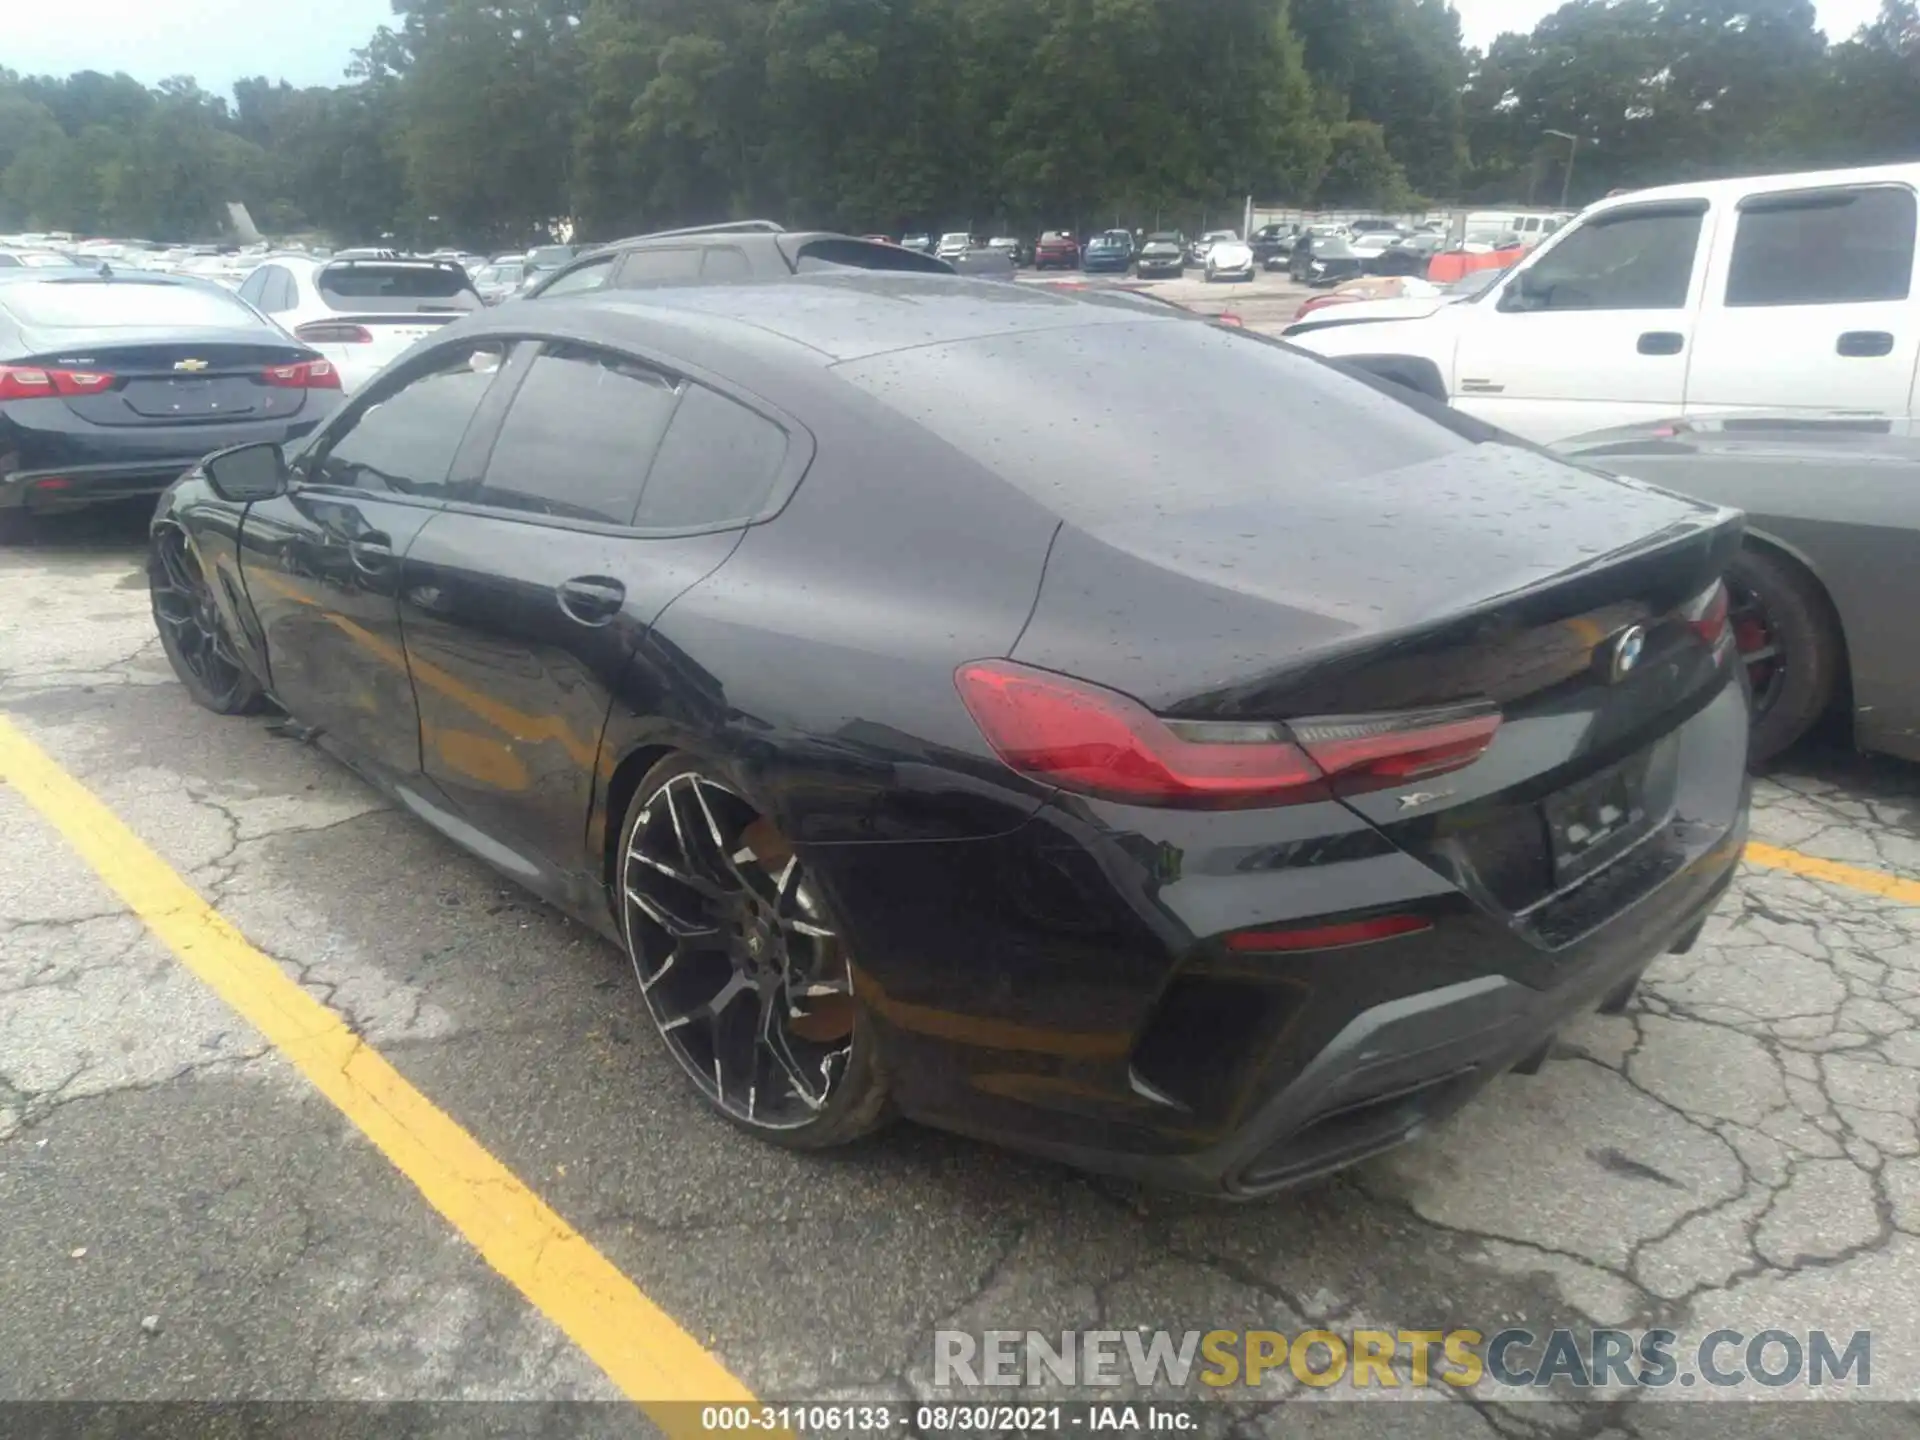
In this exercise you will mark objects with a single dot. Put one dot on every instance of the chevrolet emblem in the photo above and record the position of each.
(195, 365)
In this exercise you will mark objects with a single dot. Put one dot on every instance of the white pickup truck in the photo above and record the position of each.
(1772, 293)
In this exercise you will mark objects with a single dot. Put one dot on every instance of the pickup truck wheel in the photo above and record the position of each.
(1790, 644)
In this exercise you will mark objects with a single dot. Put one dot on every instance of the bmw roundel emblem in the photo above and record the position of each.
(1626, 650)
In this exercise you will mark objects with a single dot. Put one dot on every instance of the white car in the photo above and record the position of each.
(953, 245)
(1199, 251)
(1766, 293)
(360, 314)
(1229, 260)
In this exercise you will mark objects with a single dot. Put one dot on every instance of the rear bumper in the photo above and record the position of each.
(1066, 990)
(76, 487)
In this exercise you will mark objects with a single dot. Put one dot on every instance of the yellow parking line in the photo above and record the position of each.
(640, 1347)
(1854, 877)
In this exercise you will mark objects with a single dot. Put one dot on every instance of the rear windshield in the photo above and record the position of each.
(361, 286)
(114, 304)
(839, 254)
(1115, 422)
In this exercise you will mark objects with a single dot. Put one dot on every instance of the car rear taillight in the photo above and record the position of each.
(1338, 936)
(31, 382)
(1706, 613)
(1377, 752)
(333, 332)
(1094, 741)
(306, 375)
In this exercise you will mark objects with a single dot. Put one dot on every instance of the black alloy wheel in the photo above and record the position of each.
(742, 969)
(192, 631)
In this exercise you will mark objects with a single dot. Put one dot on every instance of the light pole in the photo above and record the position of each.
(1573, 146)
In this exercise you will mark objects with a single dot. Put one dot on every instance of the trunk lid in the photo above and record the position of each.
(1490, 574)
(204, 377)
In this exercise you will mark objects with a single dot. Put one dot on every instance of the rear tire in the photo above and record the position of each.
(714, 904)
(1789, 641)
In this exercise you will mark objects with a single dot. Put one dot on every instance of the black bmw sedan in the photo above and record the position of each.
(112, 385)
(1212, 784)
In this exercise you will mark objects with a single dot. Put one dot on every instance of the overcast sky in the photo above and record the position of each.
(309, 43)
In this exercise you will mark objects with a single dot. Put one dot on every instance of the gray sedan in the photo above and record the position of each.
(1827, 591)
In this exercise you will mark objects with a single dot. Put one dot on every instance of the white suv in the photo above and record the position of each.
(359, 313)
(1775, 293)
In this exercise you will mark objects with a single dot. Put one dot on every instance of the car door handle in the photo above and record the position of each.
(1864, 344)
(1662, 342)
(591, 599)
(371, 552)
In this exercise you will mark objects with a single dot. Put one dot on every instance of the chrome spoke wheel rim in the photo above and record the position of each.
(189, 621)
(745, 979)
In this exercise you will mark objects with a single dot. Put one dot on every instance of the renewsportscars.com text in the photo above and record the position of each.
(1389, 1359)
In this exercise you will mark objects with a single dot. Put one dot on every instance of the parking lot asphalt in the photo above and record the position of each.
(187, 1218)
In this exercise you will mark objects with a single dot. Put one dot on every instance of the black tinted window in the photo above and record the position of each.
(834, 253)
(1149, 418)
(364, 286)
(579, 436)
(648, 267)
(591, 276)
(1630, 260)
(406, 442)
(1824, 247)
(718, 464)
(86, 304)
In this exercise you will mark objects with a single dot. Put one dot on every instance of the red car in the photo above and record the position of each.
(1056, 248)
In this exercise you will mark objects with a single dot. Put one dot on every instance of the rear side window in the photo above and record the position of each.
(1149, 417)
(405, 444)
(364, 286)
(1626, 260)
(1823, 247)
(579, 437)
(718, 465)
(88, 304)
(653, 267)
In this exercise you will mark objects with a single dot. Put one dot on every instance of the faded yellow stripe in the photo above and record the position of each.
(1854, 877)
(639, 1346)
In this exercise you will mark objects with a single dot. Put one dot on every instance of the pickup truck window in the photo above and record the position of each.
(1640, 259)
(1823, 247)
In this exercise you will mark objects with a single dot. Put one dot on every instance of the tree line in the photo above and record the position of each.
(482, 122)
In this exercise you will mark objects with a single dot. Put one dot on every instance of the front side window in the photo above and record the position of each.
(1625, 260)
(656, 267)
(580, 437)
(591, 276)
(405, 443)
(1823, 247)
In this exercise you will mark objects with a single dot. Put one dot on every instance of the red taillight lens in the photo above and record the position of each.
(1377, 752)
(332, 332)
(1094, 741)
(307, 375)
(31, 382)
(1328, 937)
(1230, 319)
(1706, 614)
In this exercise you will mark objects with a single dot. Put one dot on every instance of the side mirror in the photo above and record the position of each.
(247, 472)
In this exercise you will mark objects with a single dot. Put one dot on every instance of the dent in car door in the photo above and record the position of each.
(322, 563)
(1595, 331)
(523, 609)
(1808, 305)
